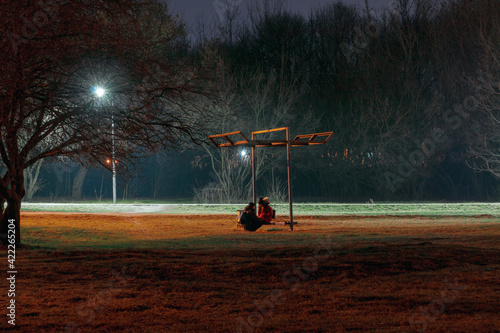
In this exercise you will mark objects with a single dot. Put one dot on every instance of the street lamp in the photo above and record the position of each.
(100, 92)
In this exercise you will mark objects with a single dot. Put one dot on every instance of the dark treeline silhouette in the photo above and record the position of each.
(412, 93)
(405, 91)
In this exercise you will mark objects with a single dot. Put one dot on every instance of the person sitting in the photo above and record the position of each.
(261, 205)
(266, 212)
(249, 219)
(250, 209)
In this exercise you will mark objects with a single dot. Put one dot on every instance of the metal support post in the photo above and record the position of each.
(289, 168)
(113, 160)
(254, 182)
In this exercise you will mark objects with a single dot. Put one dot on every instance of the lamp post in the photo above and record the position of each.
(100, 92)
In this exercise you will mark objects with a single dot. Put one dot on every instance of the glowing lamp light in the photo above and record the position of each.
(99, 92)
(243, 153)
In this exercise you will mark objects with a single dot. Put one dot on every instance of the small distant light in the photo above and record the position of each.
(108, 161)
(243, 153)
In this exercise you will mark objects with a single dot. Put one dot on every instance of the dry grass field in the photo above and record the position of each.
(181, 273)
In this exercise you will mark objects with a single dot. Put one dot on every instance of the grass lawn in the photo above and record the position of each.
(377, 209)
(81, 272)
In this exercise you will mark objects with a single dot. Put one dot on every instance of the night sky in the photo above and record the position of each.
(191, 10)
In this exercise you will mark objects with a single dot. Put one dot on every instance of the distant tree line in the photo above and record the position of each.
(412, 93)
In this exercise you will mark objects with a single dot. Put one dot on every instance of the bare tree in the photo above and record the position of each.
(76, 191)
(229, 170)
(32, 180)
(378, 96)
(49, 64)
(252, 101)
(485, 139)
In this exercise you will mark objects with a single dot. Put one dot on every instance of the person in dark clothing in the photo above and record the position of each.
(250, 209)
(249, 219)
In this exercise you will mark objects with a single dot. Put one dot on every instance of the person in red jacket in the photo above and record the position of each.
(261, 205)
(266, 212)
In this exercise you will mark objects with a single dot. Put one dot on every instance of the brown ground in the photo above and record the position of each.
(201, 274)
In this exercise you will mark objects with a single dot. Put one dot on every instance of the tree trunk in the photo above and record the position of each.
(10, 217)
(76, 192)
(32, 183)
(10, 221)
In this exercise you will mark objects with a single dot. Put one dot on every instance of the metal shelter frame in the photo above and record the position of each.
(239, 139)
